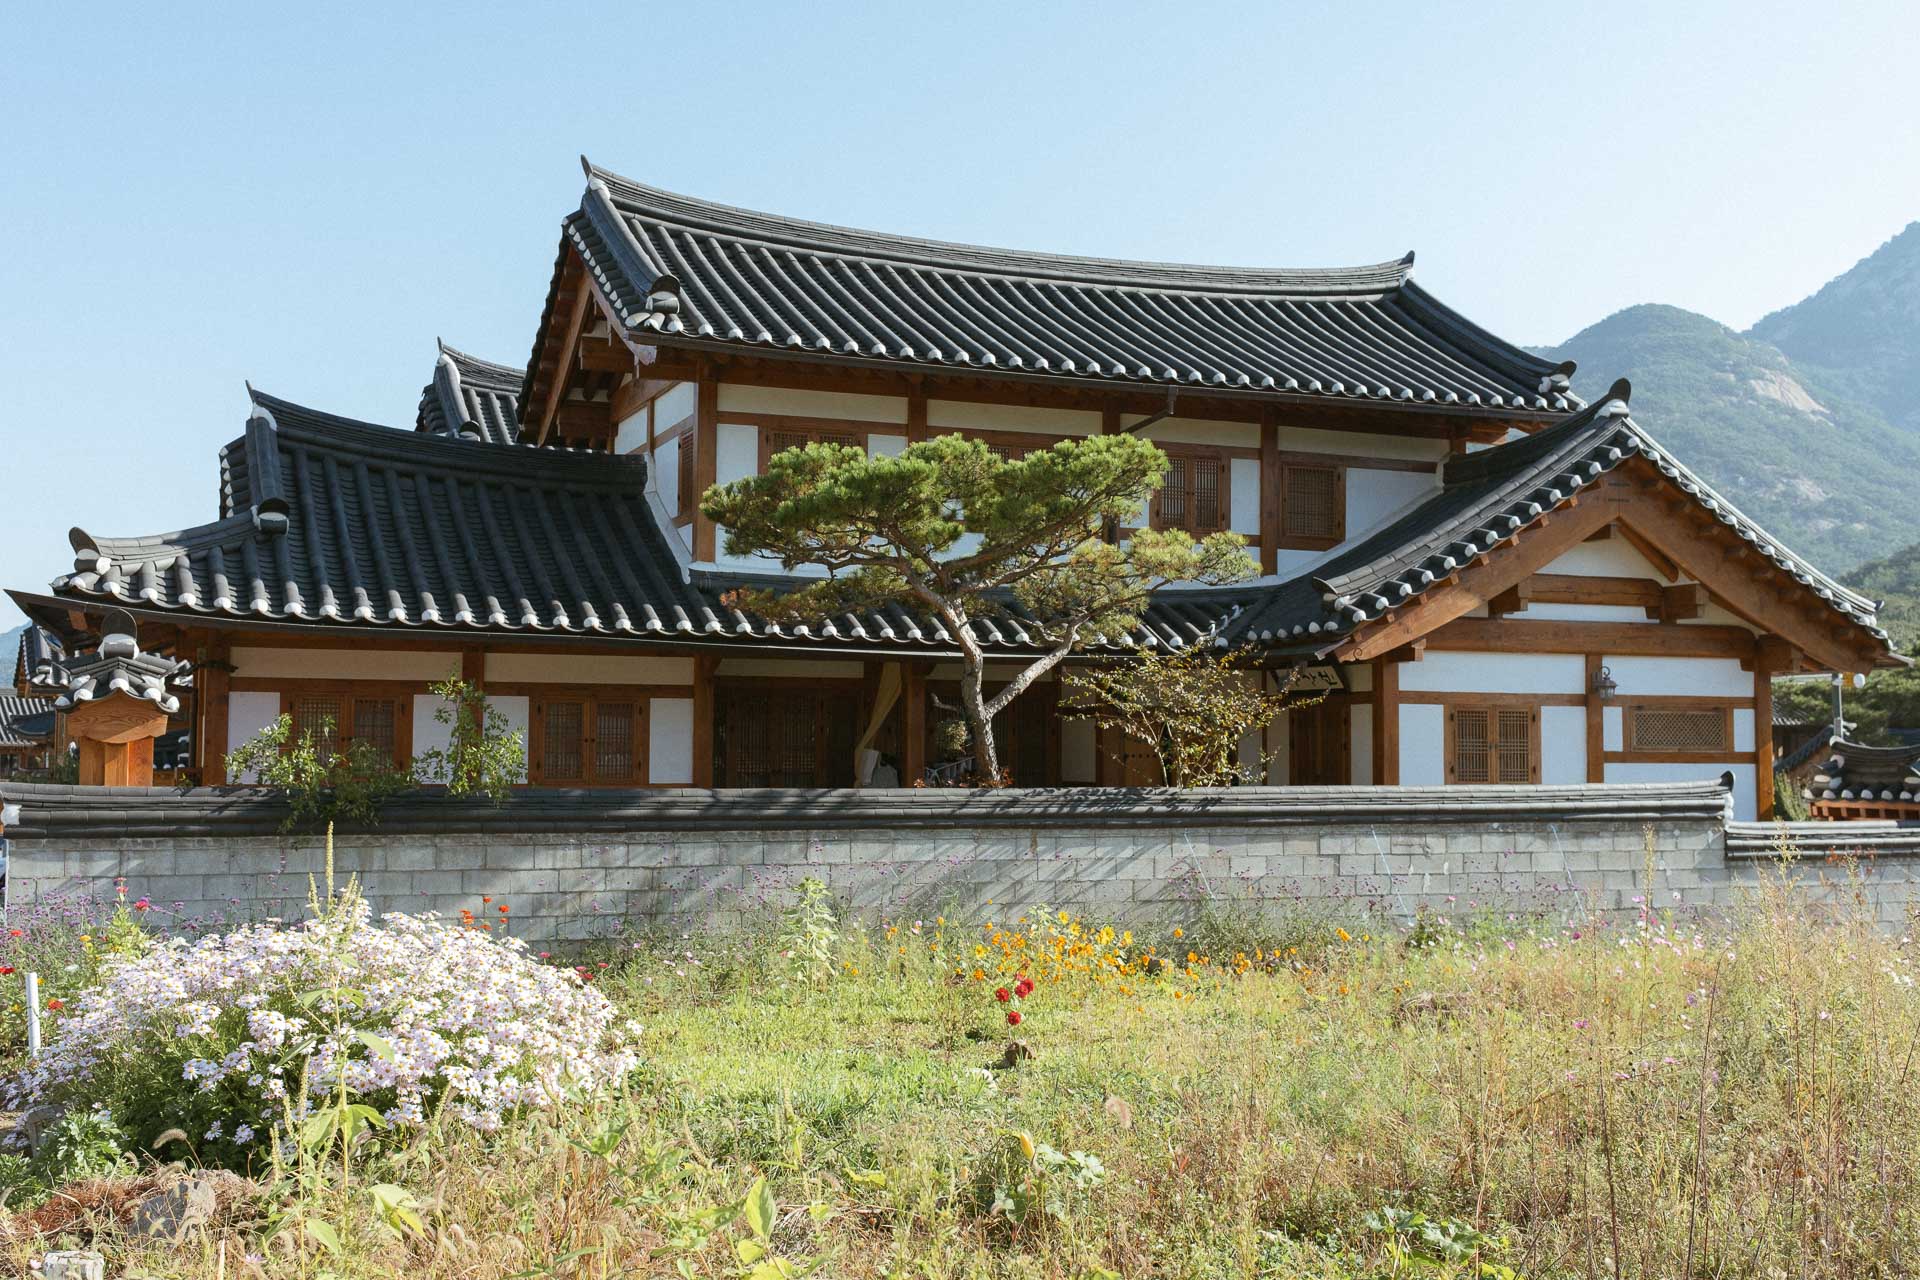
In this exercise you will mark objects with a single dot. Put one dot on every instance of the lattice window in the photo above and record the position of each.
(775, 738)
(775, 440)
(1312, 505)
(613, 754)
(1493, 744)
(688, 499)
(1193, 496)
(376, 722)
(1679, 730)
(563, 754)
(321, 715)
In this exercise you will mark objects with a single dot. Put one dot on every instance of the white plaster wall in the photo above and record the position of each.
(1743, 729)
(1583, 613)
(1608, 558)
(630, 436)
(666, 475)
(1613, 729)
(1423, 746)
(1374, 497)
(885, 446)
(1360, 724)
(1243, 491)
(429, 734)
(1681, 677)
(1455, 672)
(964, 415)
(343, 664)
(674, 406)
(670, 740)
(517, 711)
(1745, 795)
(1563, 745)
(247, 715)
(1079, 751)
(737, 452)
(1360, 443)
(586, 668)
(1177, 430)
(812, 404)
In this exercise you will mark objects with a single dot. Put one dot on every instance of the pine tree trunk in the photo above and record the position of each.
(973, 699)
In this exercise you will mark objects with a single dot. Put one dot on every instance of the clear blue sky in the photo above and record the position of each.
(190, 198)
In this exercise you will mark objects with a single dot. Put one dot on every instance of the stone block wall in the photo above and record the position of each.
(579, 866)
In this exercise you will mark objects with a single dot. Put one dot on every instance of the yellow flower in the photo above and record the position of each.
(1178, 932)
(1344, 936)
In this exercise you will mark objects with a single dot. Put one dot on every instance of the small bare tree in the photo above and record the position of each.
(1192, 707)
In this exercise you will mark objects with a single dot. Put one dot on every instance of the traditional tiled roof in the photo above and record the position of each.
(681, 270)
(471, 398)
(335, 521)
(1807, 748)
(38, 665)
(1486, 499)
(1856, 771)
(25, 722)
(119, 666)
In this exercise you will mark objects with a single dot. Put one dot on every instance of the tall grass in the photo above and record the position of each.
(1612, 1098)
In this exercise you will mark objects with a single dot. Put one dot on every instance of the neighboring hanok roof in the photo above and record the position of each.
(25, 722)
(38, 666)
(329, 520)
(1856, 771)
(118, 665)
(470, 398)
(686, 271)
(1486, 500)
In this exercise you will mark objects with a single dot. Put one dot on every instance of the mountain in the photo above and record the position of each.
(1860, 334)
(1896, 581)
(10, 653)
(1797, 447)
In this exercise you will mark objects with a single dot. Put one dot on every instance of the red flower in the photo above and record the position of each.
(1023, 988)
(1013, 1017)
(1002, 994)
(5, 969)
(56, 1004)
(503, 908)
(143, 904)
(17, 933)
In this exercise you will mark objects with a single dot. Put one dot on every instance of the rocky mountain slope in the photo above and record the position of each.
(1798, 447)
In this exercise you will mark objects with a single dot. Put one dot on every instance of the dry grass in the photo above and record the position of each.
(1641, 1099)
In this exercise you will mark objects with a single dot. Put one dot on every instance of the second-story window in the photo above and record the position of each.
(1313, 506)
(780, 439)
(1194, 495)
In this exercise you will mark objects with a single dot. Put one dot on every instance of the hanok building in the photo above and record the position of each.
(1497, 582)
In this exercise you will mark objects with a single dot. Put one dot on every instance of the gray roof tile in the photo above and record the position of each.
(471, 398)
(687, 270)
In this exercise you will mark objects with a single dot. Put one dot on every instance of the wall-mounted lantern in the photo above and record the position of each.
(1604, 685)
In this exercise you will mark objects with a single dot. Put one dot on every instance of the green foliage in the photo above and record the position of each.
(1191, 706)
(328, 782)
(324, 780)
(484, 756)
(1419, 1244)
(81, 1144)
(1890, 700)
(949, 527)
(808, 935)
(1895, 580)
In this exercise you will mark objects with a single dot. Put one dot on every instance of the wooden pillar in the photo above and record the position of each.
(916, 416)
(212, 684)
(1596, 723)
(473, 666)
(1269, 492)
(704, 669)
(1386, 723)
(116, 736)
(913, 723)
(706, 442)
(1765, 661)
